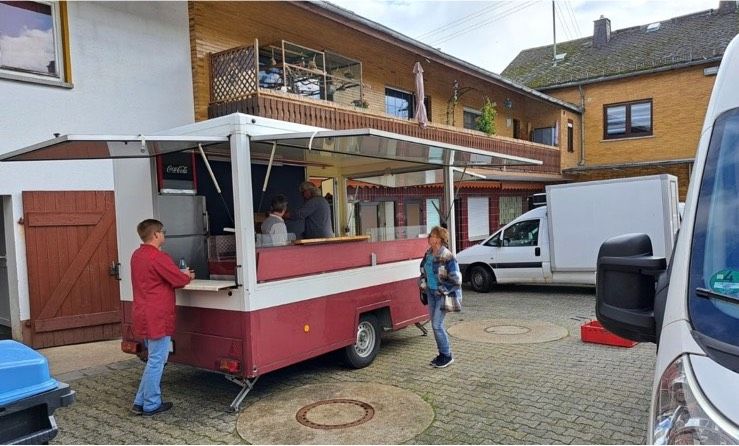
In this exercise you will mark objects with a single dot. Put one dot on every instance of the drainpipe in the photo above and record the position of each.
(581, 161)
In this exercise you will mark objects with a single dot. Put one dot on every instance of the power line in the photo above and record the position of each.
(464, 27)
(478, 13)
(515, 9)
(574, 19)
(565, 25)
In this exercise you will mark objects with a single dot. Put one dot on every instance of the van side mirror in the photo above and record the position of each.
(625, 286)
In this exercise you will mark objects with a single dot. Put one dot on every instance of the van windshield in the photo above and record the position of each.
(714, 263)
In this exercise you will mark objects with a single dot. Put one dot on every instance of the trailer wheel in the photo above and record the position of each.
(481, 279)
(364, 350)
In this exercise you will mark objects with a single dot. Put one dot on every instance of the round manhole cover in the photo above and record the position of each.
(508, 331)
(335, 414)
(338, 413)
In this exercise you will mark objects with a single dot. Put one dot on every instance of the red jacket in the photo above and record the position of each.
(155, 277)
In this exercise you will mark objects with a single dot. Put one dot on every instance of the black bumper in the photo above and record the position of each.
(31, 420)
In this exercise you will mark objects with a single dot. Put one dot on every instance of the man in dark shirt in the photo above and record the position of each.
(154, 277)
(315, 212)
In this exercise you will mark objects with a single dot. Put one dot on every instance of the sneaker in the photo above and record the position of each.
(434, 361)
(443, 362)
(137, 409)
(162, 408)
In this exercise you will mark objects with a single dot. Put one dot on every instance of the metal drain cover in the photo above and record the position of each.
(335, 414)
(508, 331)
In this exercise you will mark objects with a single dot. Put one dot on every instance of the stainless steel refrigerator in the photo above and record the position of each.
(185, 219)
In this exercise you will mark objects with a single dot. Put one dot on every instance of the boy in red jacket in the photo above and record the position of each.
(155, 277)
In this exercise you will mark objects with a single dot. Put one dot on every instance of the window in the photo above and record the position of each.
(544, 135)
(432, 213)
(714, 263)
(524, 233)
(478, 218)
(403, 104)
(470, 118)
(399, 103)
(570, 136)
(31, 40)
(510, 208)
(627, 120)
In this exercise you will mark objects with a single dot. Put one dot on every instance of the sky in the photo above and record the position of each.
(490, 34)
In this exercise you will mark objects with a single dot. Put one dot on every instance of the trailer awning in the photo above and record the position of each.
(379, 144)
(78, 147)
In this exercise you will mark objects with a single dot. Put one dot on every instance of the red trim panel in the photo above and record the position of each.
(290, 261)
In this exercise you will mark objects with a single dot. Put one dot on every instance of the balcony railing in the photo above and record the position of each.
(234, 87)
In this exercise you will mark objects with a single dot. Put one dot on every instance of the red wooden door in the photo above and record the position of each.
(70, 248)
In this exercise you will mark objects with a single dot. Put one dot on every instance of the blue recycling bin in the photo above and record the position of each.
(28, 396)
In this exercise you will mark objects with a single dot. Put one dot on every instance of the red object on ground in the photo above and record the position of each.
(594, 332)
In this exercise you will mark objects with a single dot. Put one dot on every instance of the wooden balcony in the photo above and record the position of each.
(234, 87)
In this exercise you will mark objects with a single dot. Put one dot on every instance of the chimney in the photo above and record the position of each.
(726, 7)
(601, 32)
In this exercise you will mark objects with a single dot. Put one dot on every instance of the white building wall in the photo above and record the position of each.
(131, 74)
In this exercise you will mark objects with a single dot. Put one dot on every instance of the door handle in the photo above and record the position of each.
(115, 270)
(537, 251)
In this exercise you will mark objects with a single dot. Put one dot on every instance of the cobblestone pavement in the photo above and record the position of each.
(563, 391)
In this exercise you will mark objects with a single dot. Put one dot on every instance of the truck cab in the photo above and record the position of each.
(689, 306)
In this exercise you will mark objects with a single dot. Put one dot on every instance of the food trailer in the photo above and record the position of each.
(254, 308)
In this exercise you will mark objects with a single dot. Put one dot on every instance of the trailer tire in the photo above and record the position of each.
(481, 279)
(364, 350)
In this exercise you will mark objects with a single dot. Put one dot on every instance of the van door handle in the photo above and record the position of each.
(537, 251)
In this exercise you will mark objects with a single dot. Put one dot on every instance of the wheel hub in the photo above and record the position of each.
(365, 339)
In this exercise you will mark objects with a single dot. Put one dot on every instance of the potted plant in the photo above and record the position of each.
(486, 121)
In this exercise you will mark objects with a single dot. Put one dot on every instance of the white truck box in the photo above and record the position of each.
(559, 243)
(583, 215)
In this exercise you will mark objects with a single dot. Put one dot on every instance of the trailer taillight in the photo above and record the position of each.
(131, 347)
(229, 365)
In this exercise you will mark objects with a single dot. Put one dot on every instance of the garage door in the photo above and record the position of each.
(71, 257)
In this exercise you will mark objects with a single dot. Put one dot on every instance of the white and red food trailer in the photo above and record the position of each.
(273, 306)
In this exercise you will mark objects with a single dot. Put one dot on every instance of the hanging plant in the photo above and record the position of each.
(486, 121)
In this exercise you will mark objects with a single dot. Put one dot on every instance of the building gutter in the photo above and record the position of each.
(395, 38)
(688, 161)
(581, 161)
(631, 74)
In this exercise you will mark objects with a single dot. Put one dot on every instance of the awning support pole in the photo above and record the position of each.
(215, 183)
(266, 176)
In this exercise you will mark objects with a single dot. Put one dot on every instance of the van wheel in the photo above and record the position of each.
(481, 279)
(364, 350)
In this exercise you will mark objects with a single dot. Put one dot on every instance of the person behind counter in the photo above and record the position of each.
(315, 212)
(274, 231)
(154, 277)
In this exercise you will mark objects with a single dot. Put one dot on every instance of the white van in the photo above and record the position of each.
(558, 243)
(693, 311)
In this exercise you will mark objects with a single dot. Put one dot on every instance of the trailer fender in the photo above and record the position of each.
(381, 310)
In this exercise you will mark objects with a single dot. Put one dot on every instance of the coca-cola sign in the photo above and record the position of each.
(181, 170)
(177, 166)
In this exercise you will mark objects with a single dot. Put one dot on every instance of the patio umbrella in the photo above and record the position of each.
(420, 107)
